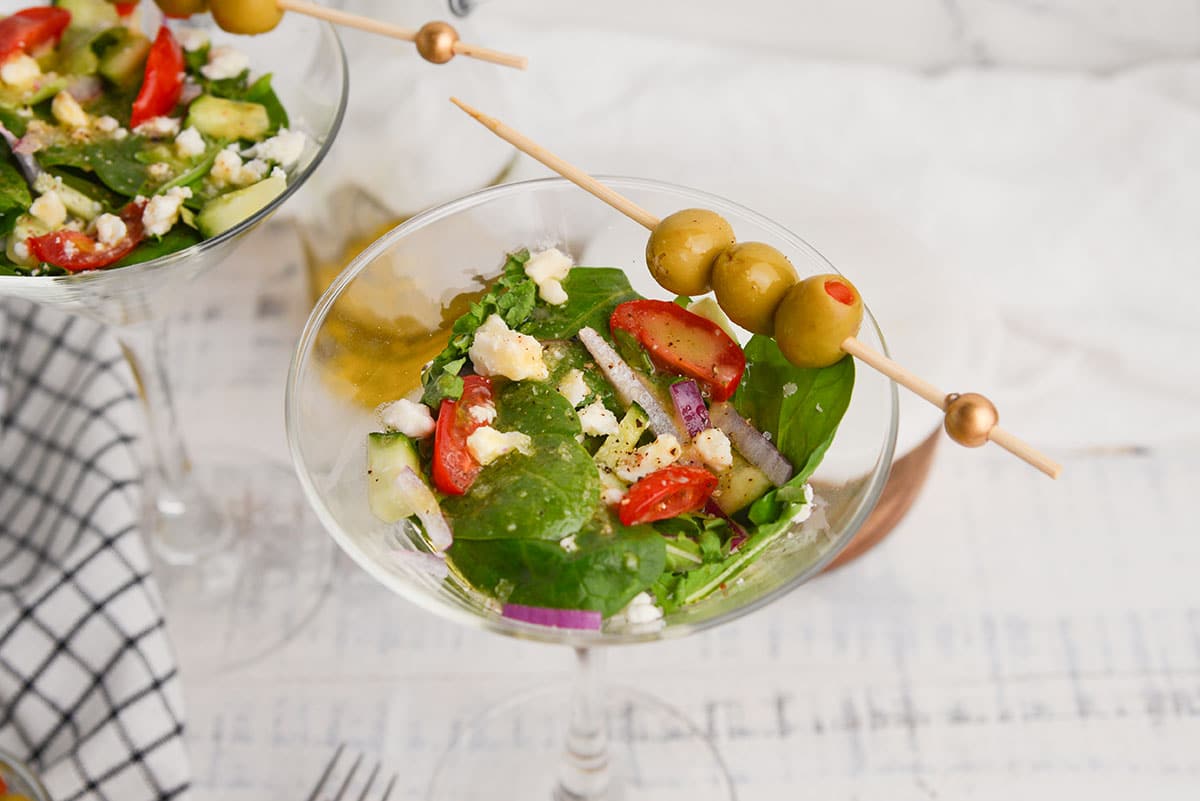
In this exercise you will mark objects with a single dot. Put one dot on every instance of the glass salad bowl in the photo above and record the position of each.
(206, 548)
(413, 283)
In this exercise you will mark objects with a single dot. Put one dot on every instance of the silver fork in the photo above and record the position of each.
(344, 787)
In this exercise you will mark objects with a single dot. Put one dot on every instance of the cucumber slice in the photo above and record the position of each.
(387, 455)
(740, 486)
(708, 309)
(47, 87)
(90, 14)
(76, 202)
(617, 446)
(222, 213)
(26, 226)
(123, 62)
(221, 118)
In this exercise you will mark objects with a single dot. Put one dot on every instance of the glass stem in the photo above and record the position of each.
(185, 523)
(584, 773)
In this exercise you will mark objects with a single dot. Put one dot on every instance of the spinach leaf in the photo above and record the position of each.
(544, 496)
(172, 241)
(611, 564)
(14, 196)
(114, 161)
(512, 297)
(592, 294)
(261, 92)
(800, 407)
(535, 408)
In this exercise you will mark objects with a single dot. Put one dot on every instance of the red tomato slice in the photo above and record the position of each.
(666, 493)
(684, 343)
(454, 468)
(30, 28)
(77, 252)
(125, 9)
(163, 83)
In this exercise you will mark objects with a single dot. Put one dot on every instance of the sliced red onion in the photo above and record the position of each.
(626, 383)
(421, 500)
(690, 405)
(432, 564)
(85, 88)
(558, 618)
(191, 90)
(739, 534)
(751, 444)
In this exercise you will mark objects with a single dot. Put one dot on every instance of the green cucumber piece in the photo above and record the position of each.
(387, 455)
(124, 61)
(90, 14)
(77, 202)
(44, 89)
(617, 446)
(708, 309)
(221, 118)
(26, 226)
(740, 486)
(224, 212)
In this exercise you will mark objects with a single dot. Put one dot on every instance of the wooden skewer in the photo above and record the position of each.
(339, 17)
(852, 345)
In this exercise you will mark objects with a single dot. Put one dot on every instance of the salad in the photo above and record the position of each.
(586, 456)
(122, 148)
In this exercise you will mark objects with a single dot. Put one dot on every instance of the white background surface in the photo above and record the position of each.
(1014, 637)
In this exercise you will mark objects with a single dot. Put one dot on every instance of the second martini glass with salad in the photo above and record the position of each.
(574, 455)
(139, 153)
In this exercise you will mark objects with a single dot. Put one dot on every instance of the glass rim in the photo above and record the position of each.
(204, 246)
(25, 774)
(528, 631)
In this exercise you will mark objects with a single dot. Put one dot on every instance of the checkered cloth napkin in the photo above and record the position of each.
(89, 696)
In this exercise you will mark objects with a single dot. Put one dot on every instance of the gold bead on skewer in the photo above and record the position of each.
(435, 42)
(970, 418)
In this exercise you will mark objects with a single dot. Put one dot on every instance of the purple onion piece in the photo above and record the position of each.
(751, 444)
(557, 618)
(690, 405)
(739, 534)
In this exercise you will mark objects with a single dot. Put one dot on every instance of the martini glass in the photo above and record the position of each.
(214, 525)
(433, 265)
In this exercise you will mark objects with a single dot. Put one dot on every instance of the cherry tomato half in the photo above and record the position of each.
(76, 252)
(684, 343)
(163, 84)
(666, 493)
(30, 28)
(454, 468)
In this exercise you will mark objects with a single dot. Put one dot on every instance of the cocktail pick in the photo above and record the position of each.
(437, 42)
(970, 419)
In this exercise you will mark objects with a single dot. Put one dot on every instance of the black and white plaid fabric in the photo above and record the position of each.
(89, 695)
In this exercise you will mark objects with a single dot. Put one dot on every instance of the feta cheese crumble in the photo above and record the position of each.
(487, 444)
(159, 171)
(20, 70)
(158, 128)
(110, 229)
(163, 210)
(597, 420)
(568, 543)
(573, 387)
(189, 143)
(228, 169)
(107, 124)
(547, 269)
(191, 39)
(66, 109)
(483, 413)
(50, 209)
(498, 350)
(714, 449)
(225, 62)
(640, 614)
(663, 452)
(413, 420)
(284, 148)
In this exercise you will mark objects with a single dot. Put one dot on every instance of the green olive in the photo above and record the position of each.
(246, 16)
(815, 318)
(682, 247)
(182, 8)
(750, 279)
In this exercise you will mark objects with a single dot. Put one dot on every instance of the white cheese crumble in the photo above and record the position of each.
(568, 543)
(163, 210)
(483, 413)
(789, 389)
(714, 449)
(225, 62)
(191, 39)
(597, 420)
(611, 496)
(159, 171)
(228, 169)
(573, 387)
(285, 148)
(110, 229)
(20, 70)
(487, 444)
(158, 128)
(66, 109)
(547, 269)
(410, 419)
(640, 614)
(498, 350)
(189, 143)
(49, 208)
(663, 452)
(107, 124)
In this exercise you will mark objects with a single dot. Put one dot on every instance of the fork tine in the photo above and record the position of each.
(325, 773)
(349, 777)
(387, 792)
(370, 781)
